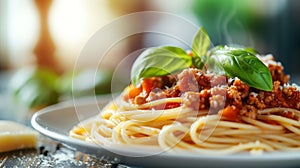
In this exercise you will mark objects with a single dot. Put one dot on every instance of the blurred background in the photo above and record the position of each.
(50, 34)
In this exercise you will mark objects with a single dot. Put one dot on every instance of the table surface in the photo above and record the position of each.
(48, 153)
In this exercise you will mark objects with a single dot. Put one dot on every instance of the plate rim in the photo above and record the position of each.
(72, 142)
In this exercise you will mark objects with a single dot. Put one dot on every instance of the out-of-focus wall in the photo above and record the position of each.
(19, 32)
(3, 36)
(271, 26)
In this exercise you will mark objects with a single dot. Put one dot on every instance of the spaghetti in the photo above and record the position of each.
(222, 116)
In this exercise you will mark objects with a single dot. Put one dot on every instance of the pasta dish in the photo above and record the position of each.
(202, 108)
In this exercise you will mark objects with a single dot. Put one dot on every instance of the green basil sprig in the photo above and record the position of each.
(234, 62)
(159, 61)
(242, 64)
(201, 43)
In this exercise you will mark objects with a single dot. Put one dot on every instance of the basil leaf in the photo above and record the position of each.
(242, 64)
(251, 50)
(198, 62)
(159, 61)
(200, 43)
(229, 48)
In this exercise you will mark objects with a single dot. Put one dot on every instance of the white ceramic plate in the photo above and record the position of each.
(56, 121)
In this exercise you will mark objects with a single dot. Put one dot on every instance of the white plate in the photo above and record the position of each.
(56, 121)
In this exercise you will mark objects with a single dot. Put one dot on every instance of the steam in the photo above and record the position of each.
(241, 34)
(227, 20)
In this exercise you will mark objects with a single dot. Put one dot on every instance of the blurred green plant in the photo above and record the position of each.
(85, 83)
(230, 20)
(37, 87)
